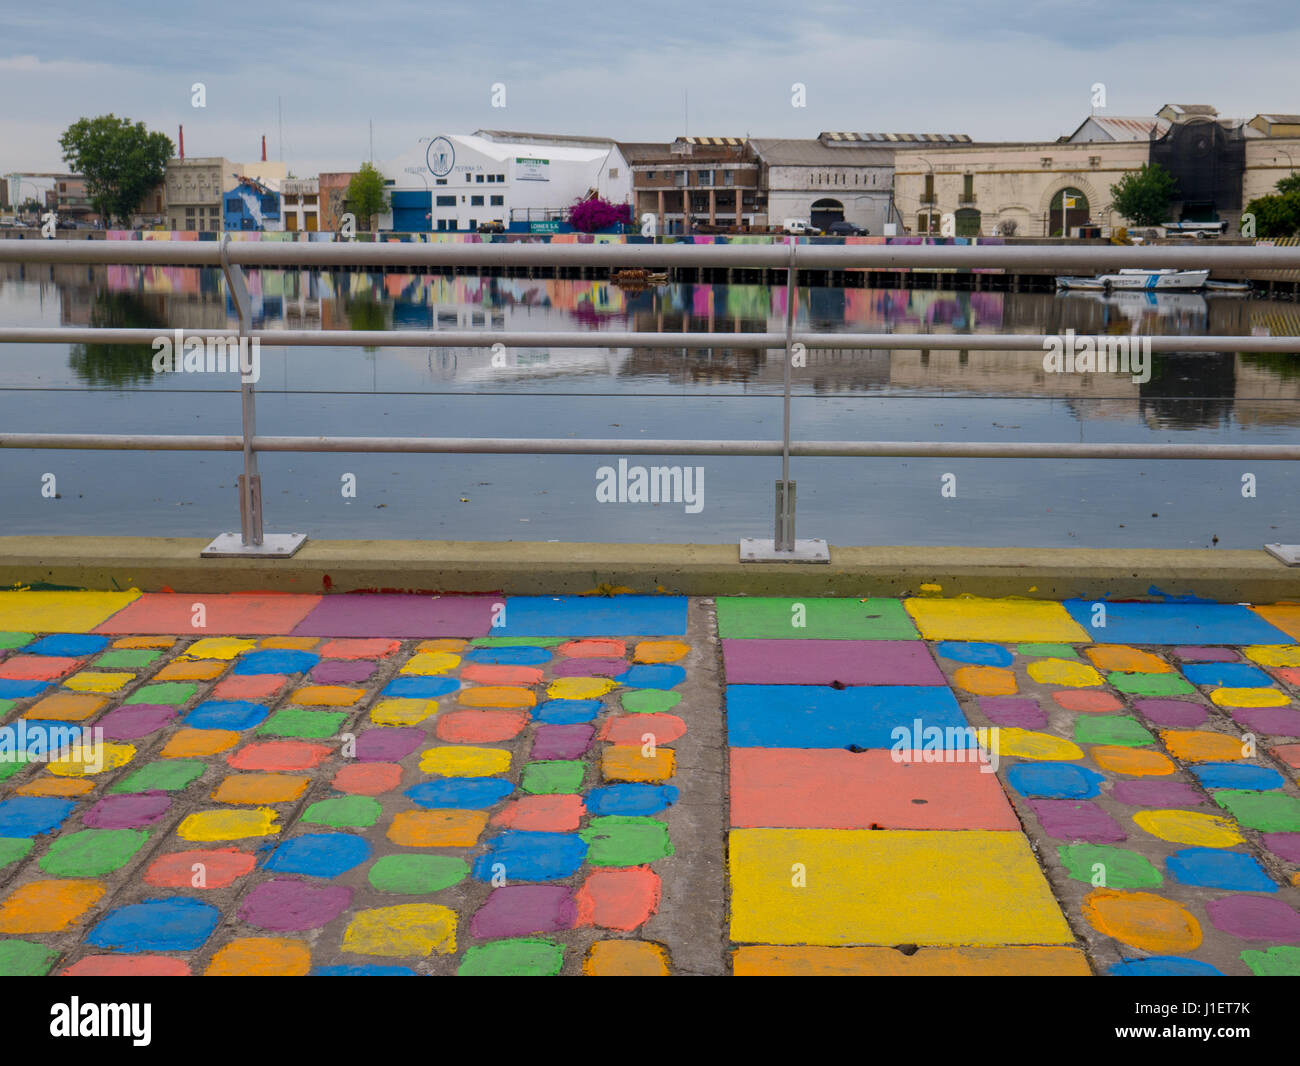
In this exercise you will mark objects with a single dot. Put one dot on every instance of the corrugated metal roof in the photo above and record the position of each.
(894, 138)
(715, 141)
(814, 153)
(1281, 120)
(1123, 128)
(1192, 109)
(517, 136)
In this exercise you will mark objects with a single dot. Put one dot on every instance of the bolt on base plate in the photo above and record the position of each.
(1287, 553)
(273, 546)
(763, 550)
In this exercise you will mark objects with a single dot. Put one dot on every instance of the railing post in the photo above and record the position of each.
(251, 540)
(783, 547)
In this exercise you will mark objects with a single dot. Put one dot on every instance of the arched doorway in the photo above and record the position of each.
(1077, 212)
(824, 212)
(967, 222)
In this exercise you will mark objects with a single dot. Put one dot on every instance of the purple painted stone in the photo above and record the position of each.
(517, 910)
(398, 615)
(135, 721)
(1271, 721)
(1157, 794)
(1283, 845)
(1077, 820)
(821, 662)
(562, 741)
(1021, 712)
(388, 744)
(1171, 712)
(1255, 918)
(1206, 655)
(592, 668)
(288, 906)
(342, 671)
(127, 812)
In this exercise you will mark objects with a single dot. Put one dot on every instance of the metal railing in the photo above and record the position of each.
(791, 256)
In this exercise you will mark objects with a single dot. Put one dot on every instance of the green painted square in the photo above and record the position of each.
(165, 693)
(1117, 729)
(1269, 812)
(14, 640)
(306, 725)
(25, 958)
(1150, 684)
(823, 618)
(1280, 961)
(14, 848)
(6, 706)
(167, 775)
(649, 700)
(1122, 868)
(128, 658)
(553, 776)
(1048, 651)
(12, 765)
(523, 957)
(517, 642)
(344, 812)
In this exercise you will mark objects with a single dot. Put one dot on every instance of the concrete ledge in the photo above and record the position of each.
(155, 564)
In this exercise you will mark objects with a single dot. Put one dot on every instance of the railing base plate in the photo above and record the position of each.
(1287, 553)
(273, 546)
(763, 550)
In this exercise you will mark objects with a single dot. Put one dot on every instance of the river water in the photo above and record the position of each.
(662, 393)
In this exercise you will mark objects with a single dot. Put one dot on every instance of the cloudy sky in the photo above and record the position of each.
(998, 70)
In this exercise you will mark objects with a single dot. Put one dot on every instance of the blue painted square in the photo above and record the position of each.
(532, 856)
(1054, 780)
(363, 971)
(320, 854)
(69, 645)
(976, 653)
(420, 688)
(594, 616)
(1163, 966)
(653, 676)
(1227, 675)
(1237, 775)
(1176, 623)
(276, 661)
(567, 712)
(817, 716)
(20, 690)
(460, 793)
(226, 714)
(39, 738)
(630, 799)
(176, 924)
(30, 816)
(509, 656)
(1216, 868)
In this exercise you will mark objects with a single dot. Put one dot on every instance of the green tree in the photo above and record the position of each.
(121, 162)
(366, 195)
(1291, 183)
(1276, 216)
(1142, 196)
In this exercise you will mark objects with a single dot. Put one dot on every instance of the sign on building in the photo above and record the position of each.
(532, 169)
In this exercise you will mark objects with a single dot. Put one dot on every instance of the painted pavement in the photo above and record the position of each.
(404, 784)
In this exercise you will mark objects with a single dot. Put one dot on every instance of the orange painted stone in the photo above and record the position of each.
(1087, 701)
(68, 787)
(65, 707)
(481, 727)
(360, 648)
(542, 814)
(659, 651)
(261, 956)
(1136, 762)
(128, 966)
(985, 680)
(191, 670)
(48, 906)
(326, 696)
(444, 644)
(218, 868)
(625, 958)
(277, 755)
(490, 674)
(368, 778)
(1200, 745)
(249, 687)
(437, 829)
(290, 643)
(190, 743)
(1289, 754)
(1126, 660)
(625, 763)
(632, 728)
(1289, 674)
(1143, 920)
(593, 649)
(260, 788)
(619, 899)
(829, 788)
(496, 696)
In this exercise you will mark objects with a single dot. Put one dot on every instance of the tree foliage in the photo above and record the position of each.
(589, 216)
(1142, 196)
(1278, 216)
(366, 196)
(121, 163)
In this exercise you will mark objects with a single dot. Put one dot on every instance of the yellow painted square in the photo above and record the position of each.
(219, 648)
(973, 618)
(290, 643)
(398, 711)
(930, 887)
(60, 612)
(95, 681)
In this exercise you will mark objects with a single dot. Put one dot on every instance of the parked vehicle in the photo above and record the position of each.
(800, 226)
(495, 226)
(846, 229)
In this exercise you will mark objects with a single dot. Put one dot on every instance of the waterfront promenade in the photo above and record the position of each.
(310, 783)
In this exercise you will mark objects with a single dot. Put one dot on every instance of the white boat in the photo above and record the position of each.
(1149, 280)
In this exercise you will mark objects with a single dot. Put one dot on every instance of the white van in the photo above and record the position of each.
(800, 226)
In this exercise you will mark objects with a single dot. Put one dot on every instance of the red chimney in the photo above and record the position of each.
(182, 144)
(264, 148)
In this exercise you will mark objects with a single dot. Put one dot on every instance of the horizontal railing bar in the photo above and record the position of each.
(1194, 256)
(606, 447)
(408, 338)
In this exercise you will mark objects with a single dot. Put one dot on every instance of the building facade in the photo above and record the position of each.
(301, 204)
(826, 182)
(695, 182)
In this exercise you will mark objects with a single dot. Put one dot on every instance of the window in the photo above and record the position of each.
(442, 223)
(968, 188)
(472, 225)
(479, 178)
(440, 181)
(469, 177)
(728, 177)
(476, 201)
(445, 201)
(927, 197)
(501, 178)
(679, 178)
(492, 179)
(650, 174)
(498, 201)
(613, 172)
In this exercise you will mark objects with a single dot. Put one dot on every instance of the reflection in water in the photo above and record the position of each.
(119, 364)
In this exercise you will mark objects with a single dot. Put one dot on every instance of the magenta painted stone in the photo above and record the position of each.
(288, 906)
(1157, 794)
(1283, 845)
(592, 668)
(1077, 820)
(135, 721)
(1021, 712)
(1255, 918)
(398, 615)
(1206, 655)
(822, 662)
(388, 745)
(1272, 721)
(128, 812)
(517, 910)
(562, 741)
(342, 671)
(1171, 712)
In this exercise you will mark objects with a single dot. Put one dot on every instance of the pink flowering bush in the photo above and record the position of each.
(590, 216)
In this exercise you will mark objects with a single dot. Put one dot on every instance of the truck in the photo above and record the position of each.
(800, 226)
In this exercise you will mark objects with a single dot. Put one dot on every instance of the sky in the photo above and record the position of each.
(997, 70)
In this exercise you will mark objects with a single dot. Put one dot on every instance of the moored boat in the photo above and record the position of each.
(1135, 278)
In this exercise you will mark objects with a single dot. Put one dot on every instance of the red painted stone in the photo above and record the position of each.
(631, 728)
(542, 814)
(481, 727)
(618, 899)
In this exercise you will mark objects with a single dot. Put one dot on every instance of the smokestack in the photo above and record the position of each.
(264, 148)
(182, 144)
